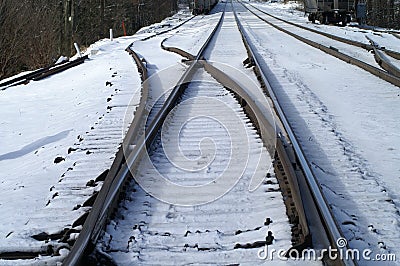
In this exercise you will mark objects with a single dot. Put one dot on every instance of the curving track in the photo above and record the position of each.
(56, 226)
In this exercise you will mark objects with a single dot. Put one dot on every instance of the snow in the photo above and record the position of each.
(345, 119)
(200, 28)
(42, 121)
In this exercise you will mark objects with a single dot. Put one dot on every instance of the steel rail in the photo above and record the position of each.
(113, 185)
(257, 108)
(334, 52)
(43, 72)
(331, 226)
(382, 60)
(375, 29)
(168, 30)
(368, 47)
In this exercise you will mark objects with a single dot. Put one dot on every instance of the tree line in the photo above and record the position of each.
(383, 13)
(34, 33)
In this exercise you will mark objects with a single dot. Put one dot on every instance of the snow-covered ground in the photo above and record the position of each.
(346, 120)
(200, 29)
(54, 118)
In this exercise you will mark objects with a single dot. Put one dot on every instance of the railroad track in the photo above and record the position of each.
(308, 181)
(42, 73)
(389, 76)
(152, 228)
(368, 47)
(379, 52)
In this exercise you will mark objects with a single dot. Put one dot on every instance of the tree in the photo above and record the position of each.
(383, 13)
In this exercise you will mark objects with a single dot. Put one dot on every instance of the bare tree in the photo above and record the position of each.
(384, 13)
(12, 36)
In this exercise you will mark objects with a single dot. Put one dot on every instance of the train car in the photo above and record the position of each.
(330, 11)
(203, 6)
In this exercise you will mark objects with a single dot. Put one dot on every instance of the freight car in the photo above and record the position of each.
(334, 11)
(202, 6)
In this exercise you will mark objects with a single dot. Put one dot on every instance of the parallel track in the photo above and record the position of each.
(368, 47)
(391, 78)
